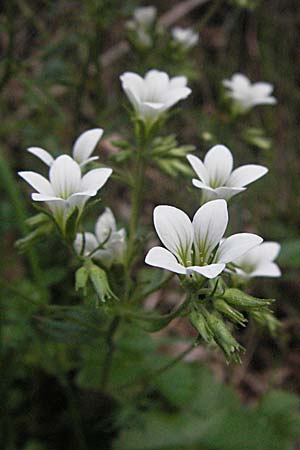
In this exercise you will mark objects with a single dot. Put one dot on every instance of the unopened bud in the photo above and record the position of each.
(81, 279)
(100, 282)
(238, 298)
(199, 322)
(222, 336)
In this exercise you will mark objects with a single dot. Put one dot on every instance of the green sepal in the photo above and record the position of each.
(230, 312)
(99, 281)
(266, 319)
(81, 279)
(223, 338)
(240, 299)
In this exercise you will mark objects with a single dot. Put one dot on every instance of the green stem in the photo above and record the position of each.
(107, 363)
(9, 184)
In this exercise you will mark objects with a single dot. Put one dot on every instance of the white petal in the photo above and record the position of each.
(178, 82)
(90, 242)
(174, 95)
(87, 161)
(268, 269)
(240, 82)
(133, 86)
(95, 179)
(105, 225)
(244, 175)
(218, 162)
(38, 182)
(46, 198)
(157, 82)
(209, 271)
(160, 257)
(236, 246)
(175, 230)
(262, 89)
(65, 175)
(264, 101)
(199, 168)
(227, 192)
(265, 252)
(210, 222)
(85, 144)
(42, 154)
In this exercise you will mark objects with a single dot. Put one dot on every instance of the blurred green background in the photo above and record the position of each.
(59, 75)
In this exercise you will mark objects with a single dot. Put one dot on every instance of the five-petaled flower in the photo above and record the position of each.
(82, 149)
(196, 247)
(259, 261)
(247, 95)
(186, 37)
(155, 93)
(66, 188)
(216, 177)
(107, 244)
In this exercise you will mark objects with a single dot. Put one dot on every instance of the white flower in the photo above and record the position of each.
(216, 177)
(190, 245)
(246, 94)
(155, 93)
(109, 242)
(145, 16)
(82, 148)
(66, 188)
(186, 37)
(259, 261)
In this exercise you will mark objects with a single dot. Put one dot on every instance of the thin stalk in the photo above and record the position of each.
(107, 363)
(9, 184)
(146, 381)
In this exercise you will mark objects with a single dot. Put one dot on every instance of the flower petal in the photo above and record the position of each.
(42, 154)
(209, 271)
(244, 175)
(65, 175)
(227, 192)
(175, 230)
(105, 225)
(160, 257)
(173, 96)
(236, 246)
(133, 86)
(178, 82)
(267, 269)
(38, 182)
(85, 144)
(209, 222)
(218, 162)
(199, 168)
(95, 179)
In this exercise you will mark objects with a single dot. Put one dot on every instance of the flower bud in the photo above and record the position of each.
(81, 279)
(100, 282)
(199, 322)
(245, 301)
